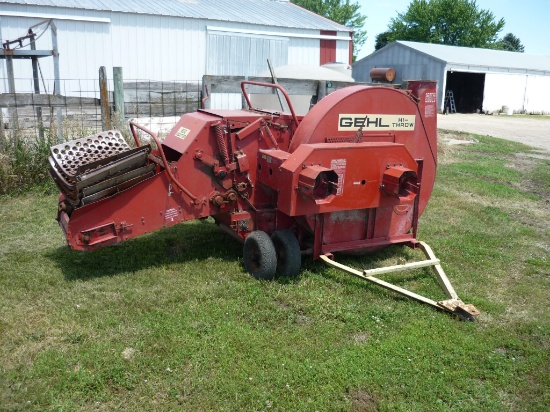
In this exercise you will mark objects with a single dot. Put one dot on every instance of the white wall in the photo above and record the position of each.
(519, 92)
(537, 98)
(148, 47)
(342, 48)
(158, 47)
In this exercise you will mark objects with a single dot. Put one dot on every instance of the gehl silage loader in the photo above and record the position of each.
(352, 175)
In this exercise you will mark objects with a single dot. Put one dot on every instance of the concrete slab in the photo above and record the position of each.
(531, 131)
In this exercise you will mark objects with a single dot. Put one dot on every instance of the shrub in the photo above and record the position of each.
(24, 163)
(24, 155)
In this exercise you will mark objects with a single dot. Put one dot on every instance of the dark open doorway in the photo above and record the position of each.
(467, 90)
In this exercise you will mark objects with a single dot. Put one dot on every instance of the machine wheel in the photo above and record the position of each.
(260, 258)
(289, 258)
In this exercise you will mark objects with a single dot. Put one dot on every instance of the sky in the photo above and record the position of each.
(529, 20)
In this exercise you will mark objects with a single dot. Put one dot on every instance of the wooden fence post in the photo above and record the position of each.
(206, 91)
(12, 112)
(104, 99)
(34, 61)
(2, 135)
(118, 88)
(57, 82)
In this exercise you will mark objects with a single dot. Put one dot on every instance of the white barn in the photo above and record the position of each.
(170, 40)
(480, 79)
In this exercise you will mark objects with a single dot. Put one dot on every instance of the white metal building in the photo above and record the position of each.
(172, 39)
(480, 79)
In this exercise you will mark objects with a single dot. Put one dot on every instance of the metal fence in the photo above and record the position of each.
(75, 110)
(79, 109)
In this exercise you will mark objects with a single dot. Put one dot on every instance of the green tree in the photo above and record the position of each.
(343, 12)
(511, 43)
(452, 22)
(380, 40)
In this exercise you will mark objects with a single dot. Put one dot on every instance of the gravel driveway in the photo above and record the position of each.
(530, 131)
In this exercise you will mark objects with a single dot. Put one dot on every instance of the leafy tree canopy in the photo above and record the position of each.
(342, 12)
(451, 22)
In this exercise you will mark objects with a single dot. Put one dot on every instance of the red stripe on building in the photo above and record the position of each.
(328, 48)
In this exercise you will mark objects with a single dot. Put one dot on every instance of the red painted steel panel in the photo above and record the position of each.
(324, 119)
(327, 48)
(351, 49)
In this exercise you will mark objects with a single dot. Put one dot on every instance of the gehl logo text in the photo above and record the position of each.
(376, 122)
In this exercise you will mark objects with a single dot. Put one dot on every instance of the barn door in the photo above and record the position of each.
(328, 48)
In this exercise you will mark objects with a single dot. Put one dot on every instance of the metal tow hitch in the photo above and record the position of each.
(453, 304)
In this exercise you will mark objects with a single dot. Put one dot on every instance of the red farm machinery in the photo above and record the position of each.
(352, 175)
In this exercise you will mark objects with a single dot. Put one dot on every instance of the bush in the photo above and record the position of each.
(24, 163)
(24, 155)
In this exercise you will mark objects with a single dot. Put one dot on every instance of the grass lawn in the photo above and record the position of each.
(533, 116)
(171, 321)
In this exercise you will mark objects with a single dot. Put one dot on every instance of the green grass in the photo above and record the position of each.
(532, 116)
(170, 321)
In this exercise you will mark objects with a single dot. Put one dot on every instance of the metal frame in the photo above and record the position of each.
(8, 54)
(273, 86)
(452, 305)
(165, 163)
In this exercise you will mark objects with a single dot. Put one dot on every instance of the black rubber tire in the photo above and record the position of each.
(289, 257)
(260, 259)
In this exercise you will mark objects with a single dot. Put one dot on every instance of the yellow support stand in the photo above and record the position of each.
(452, 304)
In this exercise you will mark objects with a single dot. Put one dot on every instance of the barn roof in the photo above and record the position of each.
(278, 13)
(467, 56)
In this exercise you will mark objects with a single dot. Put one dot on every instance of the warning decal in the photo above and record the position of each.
(182, 132)
(170, 214)
(430, 109)
(339, 166)
(430, 97)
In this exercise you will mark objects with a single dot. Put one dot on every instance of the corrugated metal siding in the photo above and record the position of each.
(342, 50)
(408, 63)
(158, 48)
(328, 48)
(258, 12)
(180, 43)
(234, 55)
(304, 52)
(523, 85)
(484, 59)
(152, 47)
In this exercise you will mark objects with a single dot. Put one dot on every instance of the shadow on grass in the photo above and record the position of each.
(364, 261)
(197, 241)
(191, 241)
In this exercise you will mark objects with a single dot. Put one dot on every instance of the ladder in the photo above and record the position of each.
(449, 106)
